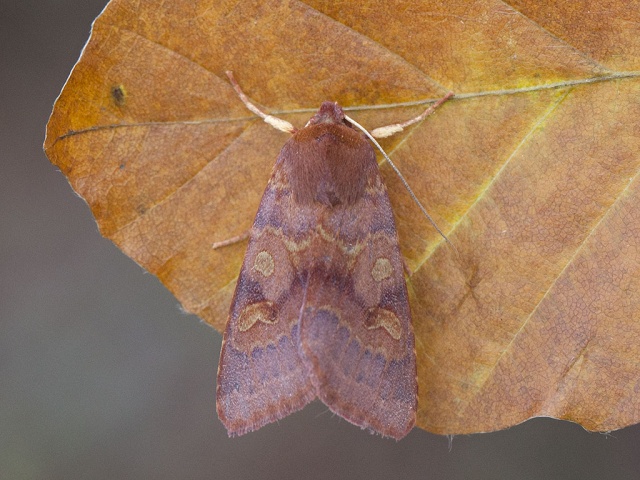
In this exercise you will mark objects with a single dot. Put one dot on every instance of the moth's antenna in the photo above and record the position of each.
(275, 122)
(398, 128)
(384, 132)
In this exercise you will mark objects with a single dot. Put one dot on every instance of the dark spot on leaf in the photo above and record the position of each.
(119, 95)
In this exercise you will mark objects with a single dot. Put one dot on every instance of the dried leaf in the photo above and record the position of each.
(532, 171)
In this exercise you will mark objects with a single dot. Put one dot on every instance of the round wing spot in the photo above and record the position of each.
(381, 269)
(264, 264)
(381, 318)
(257, 312)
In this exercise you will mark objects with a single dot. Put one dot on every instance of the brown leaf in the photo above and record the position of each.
(531, 170)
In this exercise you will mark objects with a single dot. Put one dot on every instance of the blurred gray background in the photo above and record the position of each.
(101, 375)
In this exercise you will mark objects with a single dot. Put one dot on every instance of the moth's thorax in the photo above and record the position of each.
(328, 161)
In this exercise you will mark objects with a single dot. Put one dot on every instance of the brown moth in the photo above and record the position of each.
(320, 307)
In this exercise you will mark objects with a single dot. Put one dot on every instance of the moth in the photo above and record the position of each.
(320, 308)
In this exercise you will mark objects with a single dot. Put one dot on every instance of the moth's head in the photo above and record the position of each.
(329, 112)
